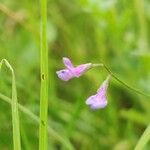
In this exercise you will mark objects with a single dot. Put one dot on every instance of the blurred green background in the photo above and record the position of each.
(113, 31)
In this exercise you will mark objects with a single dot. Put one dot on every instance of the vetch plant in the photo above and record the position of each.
(98, 100)
(70, 71)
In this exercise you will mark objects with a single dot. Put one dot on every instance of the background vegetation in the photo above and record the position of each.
(113, 31)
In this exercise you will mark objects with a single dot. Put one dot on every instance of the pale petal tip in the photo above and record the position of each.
(67, 62)
(99, 105)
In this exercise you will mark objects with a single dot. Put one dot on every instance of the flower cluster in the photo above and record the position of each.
(95, 101)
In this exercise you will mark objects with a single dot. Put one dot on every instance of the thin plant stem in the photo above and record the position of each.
(14, 105)
(51, 131)
(143, 139)
(123, 83)
(44, 78)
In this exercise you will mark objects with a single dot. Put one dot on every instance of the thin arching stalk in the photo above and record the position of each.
(116, 78)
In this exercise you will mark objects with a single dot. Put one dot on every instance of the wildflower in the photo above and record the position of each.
(70, 71)
(99, 99)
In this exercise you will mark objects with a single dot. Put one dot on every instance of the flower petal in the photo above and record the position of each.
(104, 85)
(70, 71)
(79, 70)
(99, 100)
(91, 100)
(67, 63)
(64, 74)
(100, 104)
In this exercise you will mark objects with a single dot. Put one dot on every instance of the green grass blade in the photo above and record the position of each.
(14, 105)
(51, 131)
(44, 78)
(144, 139)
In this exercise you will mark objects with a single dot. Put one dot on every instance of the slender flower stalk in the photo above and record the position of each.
(14, 106)
(44, 78)
(70, 72)
(123, 83)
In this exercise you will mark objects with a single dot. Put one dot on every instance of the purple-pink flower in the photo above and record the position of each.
(99, 99)
(70, 71)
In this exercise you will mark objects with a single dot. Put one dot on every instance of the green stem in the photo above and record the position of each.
(115, 77)
(144, 139)
(44, 78)
(14, 105)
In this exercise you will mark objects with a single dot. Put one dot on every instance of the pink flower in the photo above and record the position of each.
(70, 71)
(99, 99)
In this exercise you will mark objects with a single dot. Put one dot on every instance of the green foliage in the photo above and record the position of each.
(14, 108)
(113, 31)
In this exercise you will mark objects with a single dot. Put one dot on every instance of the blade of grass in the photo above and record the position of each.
(144, 139)
(51, 131)
(14, 105)
(44, 78)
